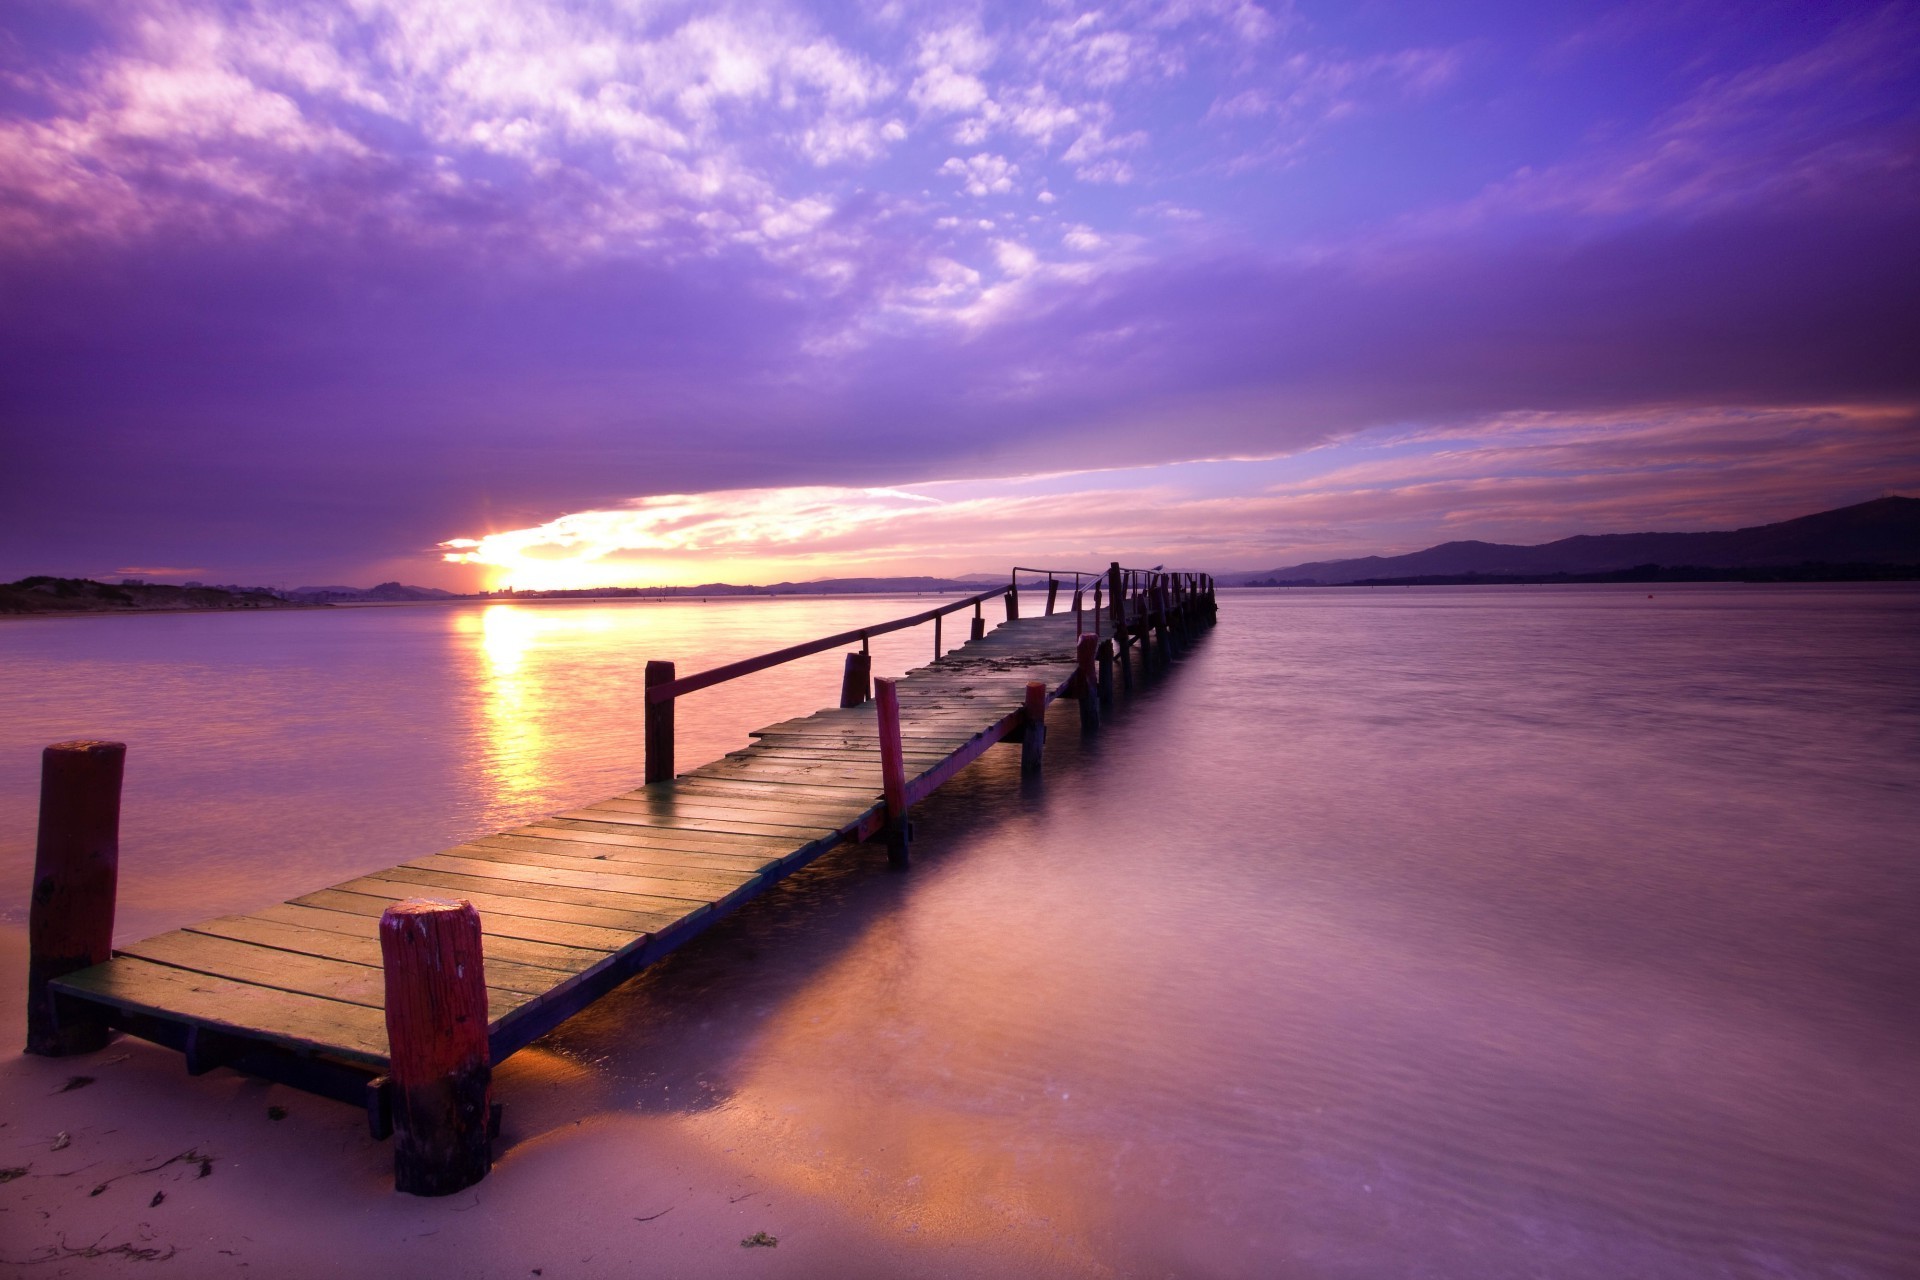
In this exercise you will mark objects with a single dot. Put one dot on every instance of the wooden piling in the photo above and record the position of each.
(856, 682)
(76, 867)
(979, 631)
(659, 725)
(1013, 603)
(936, 637)
(893, 770)
(1087, 681)
(1106, 672)
(1117, 603)
(436, 1011)
(1053, 593)
(1033, 738)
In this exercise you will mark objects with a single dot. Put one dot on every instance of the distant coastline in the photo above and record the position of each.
(1809, 572)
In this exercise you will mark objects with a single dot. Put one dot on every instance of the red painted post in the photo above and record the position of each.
(1033, 738)
(659, 725)
(1086, 681)
(442, 1075)
(76, 868)
(893, 770)
(856, 683)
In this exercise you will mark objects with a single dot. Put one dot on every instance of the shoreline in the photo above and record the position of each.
(165, 1174)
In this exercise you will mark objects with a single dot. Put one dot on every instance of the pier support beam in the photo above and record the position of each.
(1086, 682)
(76, 867)
(1106, 672)
(1033, 738)
(436, 991)
(856, 683)
(659, 725)
(893, 771)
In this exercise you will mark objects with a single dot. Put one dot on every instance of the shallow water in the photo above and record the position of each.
(1455, 932)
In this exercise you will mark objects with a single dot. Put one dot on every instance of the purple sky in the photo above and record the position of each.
(302, 293)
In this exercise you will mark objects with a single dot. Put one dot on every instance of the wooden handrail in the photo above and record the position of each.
(670, 689)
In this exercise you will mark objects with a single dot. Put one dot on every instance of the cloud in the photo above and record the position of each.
(983, 174)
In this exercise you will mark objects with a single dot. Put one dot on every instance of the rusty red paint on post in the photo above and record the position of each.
(436, 1004)
(659, 725)
(1033, 737)
(76, 869)
(893, 770)
(856, 682)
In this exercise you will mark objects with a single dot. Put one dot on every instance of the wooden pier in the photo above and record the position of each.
(397, 990)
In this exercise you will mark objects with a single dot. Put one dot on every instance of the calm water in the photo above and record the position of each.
(1532, 932)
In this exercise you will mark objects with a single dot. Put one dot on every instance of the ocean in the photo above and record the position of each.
(1533, 931)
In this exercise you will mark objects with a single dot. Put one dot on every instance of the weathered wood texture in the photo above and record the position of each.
(572, 905)
(76, 865)
(436, 1012)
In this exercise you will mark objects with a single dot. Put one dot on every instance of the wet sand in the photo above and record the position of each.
(311, 1194)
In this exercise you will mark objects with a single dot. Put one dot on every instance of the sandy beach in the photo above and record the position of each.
(161, 1174)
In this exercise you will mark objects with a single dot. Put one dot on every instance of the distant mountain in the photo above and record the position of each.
(1883, 532)
(386, 591)
(43, 594)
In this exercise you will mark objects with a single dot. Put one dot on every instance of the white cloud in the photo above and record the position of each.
(983, 174)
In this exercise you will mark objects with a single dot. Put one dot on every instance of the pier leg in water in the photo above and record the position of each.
(76, 866)
(1106, 672)
(893, 771)
(1033, 739)
(436, 992)
(1087, 682)
(856, 683)
(659, 726)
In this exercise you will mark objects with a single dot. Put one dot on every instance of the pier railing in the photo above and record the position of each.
(1131, 599)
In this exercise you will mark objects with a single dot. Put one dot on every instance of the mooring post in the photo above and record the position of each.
(1033, 738)
(1013, 602)
(1106, 672)
(979, 623)
(1053, 593)
(1117, 602)
(76, 866)
(893, 770)
(437, 1045)
(659, 724)
(856, 683)
(1087, 681)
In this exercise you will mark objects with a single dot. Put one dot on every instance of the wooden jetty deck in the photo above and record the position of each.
(572, 905)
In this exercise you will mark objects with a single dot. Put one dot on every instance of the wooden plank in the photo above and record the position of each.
(263, 967)
(612, 811)
(750, 864)
(350, 1031)
(508, 975)
(306, 975)
(526, 951)
(718, 842)
(706, 881)
(553, 927)
(636, 915)
(830, 812)
(539, 884)
(724, 785)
